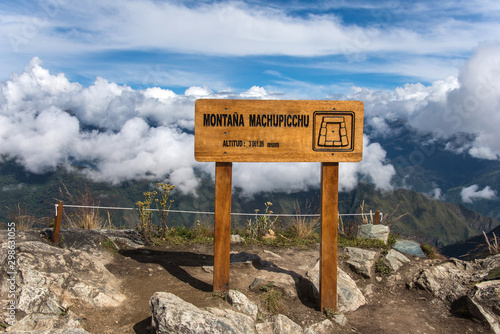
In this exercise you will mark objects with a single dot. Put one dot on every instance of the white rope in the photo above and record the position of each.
(212, 213)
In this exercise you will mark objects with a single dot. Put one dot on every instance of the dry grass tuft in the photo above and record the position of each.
(85, 217)
(23, 220)
(302, 227)
(493, 245)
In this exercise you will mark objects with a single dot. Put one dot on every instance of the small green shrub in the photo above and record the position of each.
(382, 268)
(163, 204)
(145, 216)
(329, 312)
(361, 242)
(261, 225)
(219, 295)
(109, 246)
(392, 240)
(64, 310)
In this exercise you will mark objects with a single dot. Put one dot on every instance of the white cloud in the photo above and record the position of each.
(473, 193)
(237, 28)
(373, 167)
(436, 193)
(126, 134)
(463, 109)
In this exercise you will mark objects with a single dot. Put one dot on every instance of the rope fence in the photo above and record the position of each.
(376, 217)
(212, 213)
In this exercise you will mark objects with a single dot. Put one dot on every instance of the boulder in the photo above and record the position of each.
(279, 324)
(395, 259)
(361, 261)
(171, 314)
(409, 247)
(370, 231)
(239, 301)
(450, 280)
(128, 238)
(483, 301)
(236, 239)
(41, 323)
(50, 279)
(349, 297)
(490, 263)
(340, 319)
(324, 327)
(455, 280)
(55, 331)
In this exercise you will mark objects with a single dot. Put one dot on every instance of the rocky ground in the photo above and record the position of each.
(103, 282)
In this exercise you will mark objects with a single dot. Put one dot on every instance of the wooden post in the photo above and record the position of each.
(377, 217)
(57, 223)
(222, 228)
(329, 226)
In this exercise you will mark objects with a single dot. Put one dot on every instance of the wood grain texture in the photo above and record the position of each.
(329, 226)
(222, 229)
(278, 130)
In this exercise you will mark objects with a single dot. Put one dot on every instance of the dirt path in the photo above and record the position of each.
(185, 272)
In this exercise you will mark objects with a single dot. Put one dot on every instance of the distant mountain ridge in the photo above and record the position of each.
(426, 219)
(429, 220)
(424, 164)
(470, 248)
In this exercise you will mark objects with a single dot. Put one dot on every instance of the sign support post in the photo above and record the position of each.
(222, 228)
(57, 222)
(329, 227)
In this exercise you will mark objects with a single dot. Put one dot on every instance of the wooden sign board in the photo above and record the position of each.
(278, 130)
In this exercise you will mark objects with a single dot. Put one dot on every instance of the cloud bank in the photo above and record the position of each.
(462, 110)
(248, 28)
(121, 134)
(387, 38)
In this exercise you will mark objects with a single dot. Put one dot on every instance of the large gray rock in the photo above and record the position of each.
(455, 279)
(490, 263)
(484, 303)
(395, 259)
(409, 247)
(50, 275)
(361, 260)
(55, 331)
(283, 281)
(370, 231)
(239, 301)
(349, 297)
(41, 323)
(171, 314)
(279, 324)
(49, 279)
(324, 327)
(236, 239)
(450, 280)
(128, 238)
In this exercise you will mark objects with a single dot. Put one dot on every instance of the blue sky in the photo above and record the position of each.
(130, 71)
(298, 48)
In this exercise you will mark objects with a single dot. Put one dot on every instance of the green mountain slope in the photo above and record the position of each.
(425, 219)
(429, 220)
